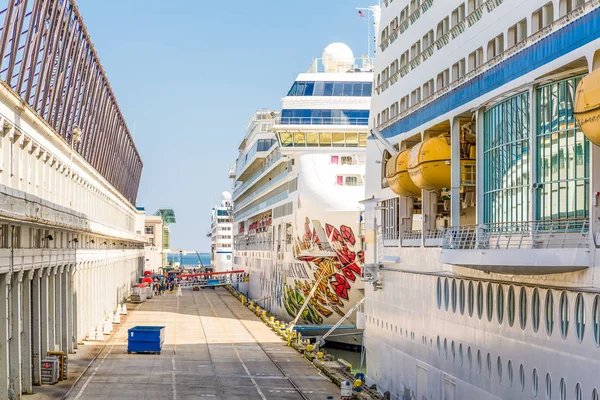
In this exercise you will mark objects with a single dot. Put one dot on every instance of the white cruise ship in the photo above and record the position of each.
(299, 178)
(221, 237)
(484, 285)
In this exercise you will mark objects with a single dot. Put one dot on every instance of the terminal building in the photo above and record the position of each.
(71, 243)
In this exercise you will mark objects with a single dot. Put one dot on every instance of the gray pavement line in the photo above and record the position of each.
(174, 382)
(114, 343)
(234, 348)
(263, 349)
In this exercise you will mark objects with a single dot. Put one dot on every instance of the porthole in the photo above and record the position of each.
(535, 310)
(510, 373)
(499, 367)
(461, 297)
(490, 302)
(446, 294)
(596, 320)
(511, 306)
(578, 392)
(489, 365)
(479, 300)
(523, 308)
(470, 357)
(595, 395)
(460, 354)
(445, 349)
(522, 377)
(563, 389)
(549, 312)
(563, 307)
(438, 346)
(471, 299)
(579, 317)
(454, 296)
(534, 382)
(479, 361)
(453, 351)
(548, 387)
(500, 304)
(439, 293)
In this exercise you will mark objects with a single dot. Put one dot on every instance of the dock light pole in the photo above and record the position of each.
(75, 138)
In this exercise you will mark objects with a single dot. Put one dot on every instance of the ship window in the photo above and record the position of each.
(563, 389)
(299, 139)
(347, 89)
(596, 320)
(522, 377)
(549, 313)
(470, 357)
(562, 156)
(534, 382)
(523, 308)
(489, 365)
(499, 368)
(453, 352)
(479, 300)
(346, 160)
(510, 373)
(511, 306)
(564, 315)
(351, 139)
(471, 299)
(505, 161)
(325, 139)
(362, 140)
(500, 304)
(446, 294)
(579, 317)
(479, 361)
(535, 310)
(578, 392)
(312, 139)
(461, 297)
(338, 89)
(595, 395)
(454, 295)
(329, 89)
(338, 139)
(319, 89)
(548, 387)
(286, 139)
(438, 346)
(309, 88)
(334, 159)
(490, 302)
(460, 354)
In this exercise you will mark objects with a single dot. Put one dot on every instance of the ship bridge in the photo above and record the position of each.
(71, 241)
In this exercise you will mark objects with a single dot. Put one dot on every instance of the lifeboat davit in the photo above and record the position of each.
(397, 177)
(587, 106)
(429, 164)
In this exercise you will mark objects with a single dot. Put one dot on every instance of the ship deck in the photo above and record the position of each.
(214, 348)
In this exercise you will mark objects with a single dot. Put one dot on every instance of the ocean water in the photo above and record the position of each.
(189, 259)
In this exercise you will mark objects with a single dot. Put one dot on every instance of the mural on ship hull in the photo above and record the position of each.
(339, 272)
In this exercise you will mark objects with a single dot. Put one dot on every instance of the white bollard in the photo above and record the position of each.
(99, 335)
(116, 317)
(107, 327)
(123, 309)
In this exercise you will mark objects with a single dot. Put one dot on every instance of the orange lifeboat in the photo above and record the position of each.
(587, 106)
(397, 177)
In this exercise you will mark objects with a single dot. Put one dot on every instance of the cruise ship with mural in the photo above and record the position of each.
(482, 205)
(298, 181)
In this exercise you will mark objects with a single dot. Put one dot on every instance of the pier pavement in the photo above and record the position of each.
(214, 348)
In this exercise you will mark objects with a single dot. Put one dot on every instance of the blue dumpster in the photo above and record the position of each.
(145, 339)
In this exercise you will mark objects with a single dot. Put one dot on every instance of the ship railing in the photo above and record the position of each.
(271, 200)
(435, 237)
(321, 121)
(254, 241)
(411, 238)
(363, 64)
(261, 189)
(584, 9)
(258, 173)
(550, 234)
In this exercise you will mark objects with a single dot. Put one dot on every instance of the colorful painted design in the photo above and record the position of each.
(339, 272)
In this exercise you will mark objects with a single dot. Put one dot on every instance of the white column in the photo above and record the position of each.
(455, 172)
(51, 299)
(480, 173)
(36, 326)
(26, 334)
(66, 318)
(58, 309)
(15, 333)
(4, 329)
(46, 319)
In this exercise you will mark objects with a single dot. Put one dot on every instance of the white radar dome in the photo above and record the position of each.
(226, 196)
(338, 57)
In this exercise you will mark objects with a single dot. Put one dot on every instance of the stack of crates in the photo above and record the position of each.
(62, 361)
(50, 371)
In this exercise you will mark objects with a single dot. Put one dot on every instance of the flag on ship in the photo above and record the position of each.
(361, 14)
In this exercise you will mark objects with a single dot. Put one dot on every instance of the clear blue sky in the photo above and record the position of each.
(190, 74)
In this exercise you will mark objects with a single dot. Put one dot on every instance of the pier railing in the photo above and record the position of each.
(568, 233)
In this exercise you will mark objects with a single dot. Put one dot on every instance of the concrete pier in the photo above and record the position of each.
(214, 348)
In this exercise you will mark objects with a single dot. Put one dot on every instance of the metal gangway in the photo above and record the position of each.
(209, 279)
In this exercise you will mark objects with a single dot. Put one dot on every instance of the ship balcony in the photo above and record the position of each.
(255, 241)
(530, 247)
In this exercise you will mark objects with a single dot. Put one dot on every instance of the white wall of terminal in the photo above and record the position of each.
(70, 247)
